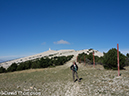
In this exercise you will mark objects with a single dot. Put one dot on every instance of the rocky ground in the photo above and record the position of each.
(57, 81)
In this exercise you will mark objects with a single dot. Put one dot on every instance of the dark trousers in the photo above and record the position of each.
(74, 72)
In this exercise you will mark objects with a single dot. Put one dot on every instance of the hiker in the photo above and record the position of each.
(74, 69)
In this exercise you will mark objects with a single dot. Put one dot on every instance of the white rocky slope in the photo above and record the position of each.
(50, 53)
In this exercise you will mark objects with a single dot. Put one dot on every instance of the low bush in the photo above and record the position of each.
(12, 68)
(2, 70)
(127, 62)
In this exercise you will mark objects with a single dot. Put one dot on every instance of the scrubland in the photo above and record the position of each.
(57, 81)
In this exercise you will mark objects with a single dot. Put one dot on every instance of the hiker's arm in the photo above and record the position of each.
(71, 67)
(77, 67)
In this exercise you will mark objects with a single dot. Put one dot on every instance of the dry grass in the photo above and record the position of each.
(57, 81)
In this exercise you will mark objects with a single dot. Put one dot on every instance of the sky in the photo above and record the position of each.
(29, 27)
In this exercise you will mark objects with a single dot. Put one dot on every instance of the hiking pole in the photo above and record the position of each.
(84, 61)
(77, 58)
(93, 59)
(118, 59)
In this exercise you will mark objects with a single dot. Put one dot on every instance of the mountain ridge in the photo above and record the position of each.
(51, 53)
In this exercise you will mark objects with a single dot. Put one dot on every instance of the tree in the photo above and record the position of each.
(127, 59)
(21, 66)
(2, 70)
(127, 55)
(38, 63)
(12, 68)
(100, 60)
(110, 59)
(90, 56)
(28, 64)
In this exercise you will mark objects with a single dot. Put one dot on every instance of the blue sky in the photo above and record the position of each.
(29, 27)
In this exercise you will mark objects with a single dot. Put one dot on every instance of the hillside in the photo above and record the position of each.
(58, 81)
(50, 53)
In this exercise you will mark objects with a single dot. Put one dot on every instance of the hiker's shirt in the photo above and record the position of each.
(74, 68)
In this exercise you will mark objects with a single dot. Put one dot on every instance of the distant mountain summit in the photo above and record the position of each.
(51, 53)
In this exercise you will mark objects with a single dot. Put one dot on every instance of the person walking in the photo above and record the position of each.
(74, 69)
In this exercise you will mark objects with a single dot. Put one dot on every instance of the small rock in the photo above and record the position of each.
(31, 87)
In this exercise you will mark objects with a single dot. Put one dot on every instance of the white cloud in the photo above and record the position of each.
(61, 42)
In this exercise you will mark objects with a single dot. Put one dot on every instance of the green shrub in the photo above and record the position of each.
(100, 60)
(127, 61)
(38, 63)
(2, 70)
(90, 49)
(110, 59)
(88, 58)
(127, 55)
(35, 64)
(12, 68)
(21, 66)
